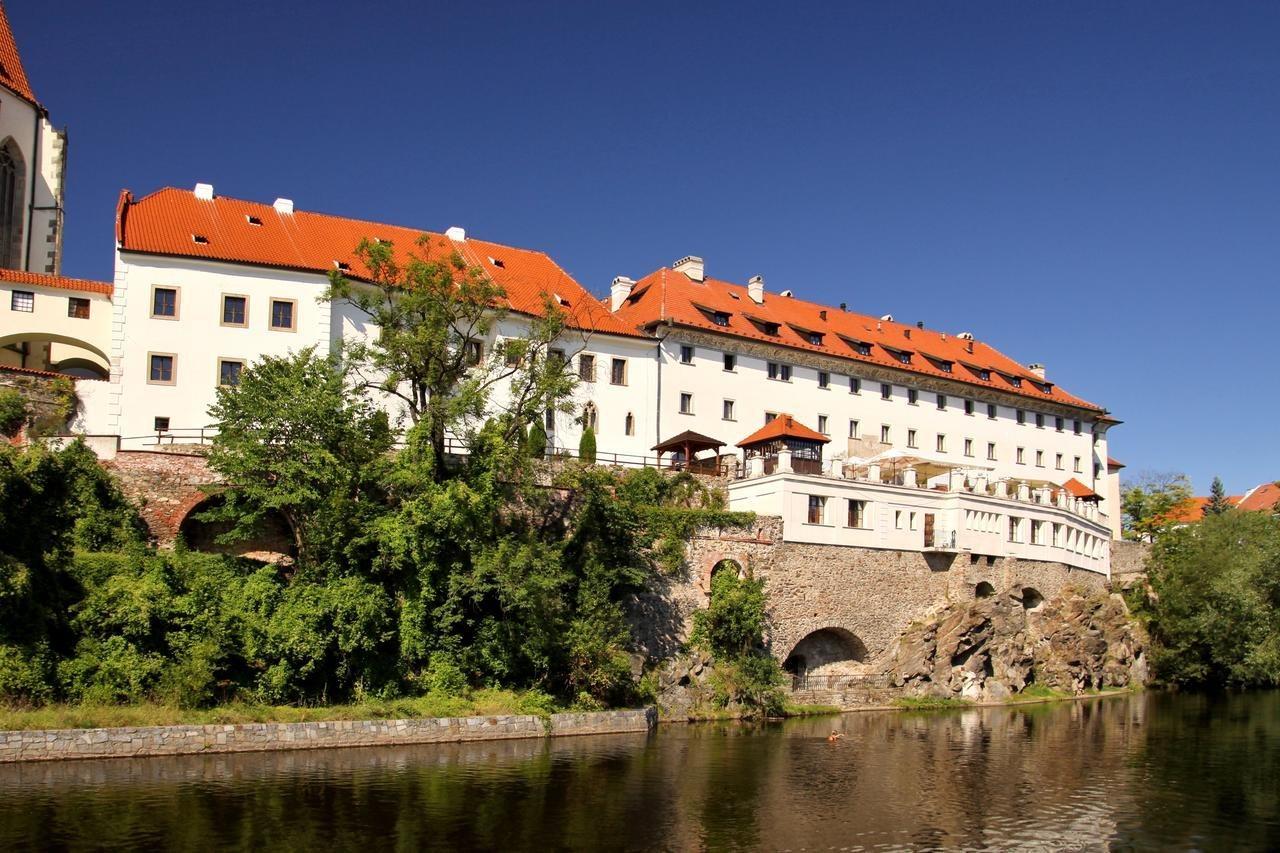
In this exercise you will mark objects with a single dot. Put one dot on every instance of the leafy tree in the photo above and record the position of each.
(732, 628)
(293, 438)
(1148, 504)
(587, 446)
(1218, 503)
(13, 412)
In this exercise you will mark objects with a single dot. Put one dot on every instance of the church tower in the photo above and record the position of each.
(33, 166)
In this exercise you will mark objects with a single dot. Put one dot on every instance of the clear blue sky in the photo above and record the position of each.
(1091, 185)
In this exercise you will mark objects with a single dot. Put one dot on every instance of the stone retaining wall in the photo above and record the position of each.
(135, 741)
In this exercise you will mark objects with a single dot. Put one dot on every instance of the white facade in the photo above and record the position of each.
(48, 327)
(37, 150)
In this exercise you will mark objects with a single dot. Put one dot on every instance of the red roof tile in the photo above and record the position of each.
(1077, 489)
(1114, 464)
(783, 426)
(56, 281)
(1262, 498)
(167, 221)
(671, 296)
(31, 371)
(12, 74)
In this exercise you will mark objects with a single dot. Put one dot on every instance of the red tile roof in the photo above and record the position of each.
(668, 295)
(167, 221)
(1114, 464)
(1260, 498)
(31, 371)
(12, 74)
(58, 282)
(783, 426)
(1077, 489)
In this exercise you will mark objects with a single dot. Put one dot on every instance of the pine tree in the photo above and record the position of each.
(537, 445)
(1218, 503)
(587, 446)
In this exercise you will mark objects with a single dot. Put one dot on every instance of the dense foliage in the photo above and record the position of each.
(1214, 605)
(1147, 504)
(13, 412)
(732, 629)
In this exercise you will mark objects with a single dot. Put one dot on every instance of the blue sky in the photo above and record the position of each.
(1095, 186)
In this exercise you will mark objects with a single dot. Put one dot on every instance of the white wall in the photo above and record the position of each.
(48, 321)
(42, 148)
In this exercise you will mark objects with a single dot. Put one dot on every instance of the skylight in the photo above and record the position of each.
(199, 238)
(497, 262)
(252, 220)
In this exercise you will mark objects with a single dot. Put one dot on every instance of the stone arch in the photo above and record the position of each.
(983, 590)
(719, 561)
(830, 649)
(56, 338)
(1031, 598)
(272, 543)
(13, 205)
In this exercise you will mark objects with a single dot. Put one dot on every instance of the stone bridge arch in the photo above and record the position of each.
(166, 486)
(718, 561)
(832, 649)
(272, 542)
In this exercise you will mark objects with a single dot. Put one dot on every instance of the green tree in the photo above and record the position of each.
(1148, 503)
(537, 445)
(295, 438)
(1218, 503)
(13, 412)
(587, 446)
(732, 628)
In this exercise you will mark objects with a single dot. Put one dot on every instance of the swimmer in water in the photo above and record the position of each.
(834, 736)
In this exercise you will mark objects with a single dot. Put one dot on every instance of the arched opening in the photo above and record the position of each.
(13, 178)
(1031, 598)
(984, 590)
(823, 654)
(83, 368)
(89, 352)
(272, 542)
(727, 565)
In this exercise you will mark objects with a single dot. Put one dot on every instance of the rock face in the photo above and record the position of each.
(994, 647)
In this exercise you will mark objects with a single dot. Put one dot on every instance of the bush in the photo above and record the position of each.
(13, 412)
(587, 446)
(537, 445)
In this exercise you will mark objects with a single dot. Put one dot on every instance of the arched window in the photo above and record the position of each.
(11, 175)
(590, 417)
(630, 424)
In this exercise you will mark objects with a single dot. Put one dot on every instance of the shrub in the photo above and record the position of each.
(13, 412)
(537, 445)
(587, 446)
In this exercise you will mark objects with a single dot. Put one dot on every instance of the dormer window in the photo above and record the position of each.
(814, 338)
(720, 318)
(497, 262)
(861, 348)
(252, 220)
(200, 239)
(342, 266)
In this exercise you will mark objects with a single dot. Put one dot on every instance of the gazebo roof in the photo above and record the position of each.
(1077, 489)
(783, 426)
(694, 441)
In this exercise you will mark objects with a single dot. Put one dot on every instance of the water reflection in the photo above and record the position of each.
(1146, 772)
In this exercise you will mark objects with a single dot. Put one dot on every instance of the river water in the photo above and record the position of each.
(1148, 772)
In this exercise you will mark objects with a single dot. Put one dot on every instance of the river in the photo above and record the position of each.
(1145, 772)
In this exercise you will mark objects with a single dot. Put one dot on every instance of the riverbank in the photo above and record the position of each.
(143, 741)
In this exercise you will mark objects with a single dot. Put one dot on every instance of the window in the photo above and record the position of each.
(618, 372)
(1019, 457)
(629, 425)
(730, 362)
(78, 307)
(940, 443)
(23, 300)
(472, 352)
(855, 385)
(591, 417)
(728, 411)
(513, 351)
(824, 379)
(772, 369)
(235, 310)
(886, 391)
(770, 416)
(968, 447)
(991, 451)
(817, 507)
(781, 372)
(229, 371)
(897, 519)
(1015, 528)
(556, 357)
(686, 354)
(904, 357)
(968, 407)
(161, 368)
(1076, 465)
(1039, 421)
(1059, 423)
(862, 349)
(913, 396)
(991, 411)
(822, 424)
(720, 318)
(549, 420)
(1039, 458)
(161, 423)
(686, 403)
(1075, 427)
(912, 521)
(282, 315)
(857, 514)
(942, 402)
(814, 338)
(1022, 416)
(164, 302)
(587, 367)
(1057, 535)
(884, 434)
(1037, 532)
(1057, 461)
(911, 438)
(853, 429)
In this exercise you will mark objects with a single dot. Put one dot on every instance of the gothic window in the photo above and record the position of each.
(590, 417)
(11, 179)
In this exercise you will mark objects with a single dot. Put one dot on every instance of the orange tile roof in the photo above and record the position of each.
(12, 74)
(1077, 489)
(58, 282)
(167, 221)
(1112, 462)
(31, 371)
(1261, 498)
(670, 296)
(783, 426)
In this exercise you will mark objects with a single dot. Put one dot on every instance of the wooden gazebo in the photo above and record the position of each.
(786, 433)
(686, 446)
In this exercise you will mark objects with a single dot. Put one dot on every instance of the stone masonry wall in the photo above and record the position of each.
(166, 485)
(258, 737)
(1128, 561)
(872, 594)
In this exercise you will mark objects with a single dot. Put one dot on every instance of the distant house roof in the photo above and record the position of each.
(177, 222)
(1260, 498)
(723, 308)
(58, 282)
(12, 75)
(783, 426)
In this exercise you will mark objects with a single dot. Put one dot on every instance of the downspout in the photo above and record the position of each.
(657, 426)
(31, 207)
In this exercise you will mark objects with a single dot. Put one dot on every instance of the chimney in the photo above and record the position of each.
(690, 265)
(1037, 369)
(283, 205)
(456, 234)
(204, 192)
(619, 292)
(755, 289)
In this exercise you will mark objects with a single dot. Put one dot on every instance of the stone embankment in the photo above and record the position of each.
(132, 742)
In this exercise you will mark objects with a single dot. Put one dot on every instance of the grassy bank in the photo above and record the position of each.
(475, 703)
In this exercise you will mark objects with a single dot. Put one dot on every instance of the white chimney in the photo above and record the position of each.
(690, 265)
(1037, 369)
(204, 192)
(456, 234)
(283, 205)
(619, 292)
(755, 289)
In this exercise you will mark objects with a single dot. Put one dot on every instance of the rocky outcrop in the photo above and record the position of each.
(992, 648)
